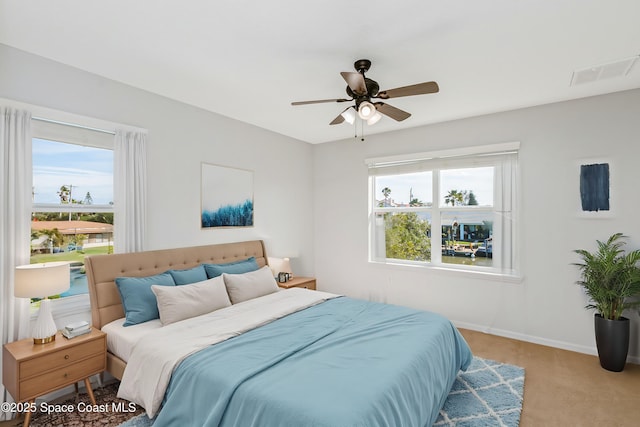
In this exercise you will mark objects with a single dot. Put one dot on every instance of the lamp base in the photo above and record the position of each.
(46, 340)
(44, 329)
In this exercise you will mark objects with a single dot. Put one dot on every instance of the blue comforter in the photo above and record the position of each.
(344, 362)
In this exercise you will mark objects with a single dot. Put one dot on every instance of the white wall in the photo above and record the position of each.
(180, 138)
(547, 307)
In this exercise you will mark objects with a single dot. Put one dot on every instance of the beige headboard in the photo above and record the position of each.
(102, 270)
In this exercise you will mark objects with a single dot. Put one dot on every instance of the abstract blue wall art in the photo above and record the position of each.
(227, 197)
(594, 187)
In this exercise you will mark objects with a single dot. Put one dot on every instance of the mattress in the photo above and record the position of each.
(121, 339)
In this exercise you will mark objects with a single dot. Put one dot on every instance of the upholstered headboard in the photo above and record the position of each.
(102, 270)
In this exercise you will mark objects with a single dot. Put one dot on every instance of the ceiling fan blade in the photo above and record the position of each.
(337, 120)
(393, 112)
(417, 89)
(320, 101)
(355, 82)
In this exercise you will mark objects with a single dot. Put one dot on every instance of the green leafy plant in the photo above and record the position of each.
(610, 277)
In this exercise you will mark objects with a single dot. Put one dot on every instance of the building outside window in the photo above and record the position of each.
(452, 209)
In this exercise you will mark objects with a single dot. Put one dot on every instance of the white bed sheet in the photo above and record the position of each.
(121, 339)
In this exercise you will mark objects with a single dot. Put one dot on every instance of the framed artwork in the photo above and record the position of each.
(227, 197)
(595, 189)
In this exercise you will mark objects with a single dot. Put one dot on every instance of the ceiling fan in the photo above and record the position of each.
(363, 90)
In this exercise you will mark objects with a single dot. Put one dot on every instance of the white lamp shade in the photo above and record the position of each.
(275, 264)
(374, 119)
(349, 115)
(286, 266)
(366, 110)
(41, 280)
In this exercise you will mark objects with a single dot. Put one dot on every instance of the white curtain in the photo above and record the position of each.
(130, 172)
(15, 224)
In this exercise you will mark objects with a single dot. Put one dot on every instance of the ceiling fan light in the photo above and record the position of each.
(374, 119)
(349, 115)
(366, 110)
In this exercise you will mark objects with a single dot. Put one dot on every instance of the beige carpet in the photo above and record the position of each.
(565, 388)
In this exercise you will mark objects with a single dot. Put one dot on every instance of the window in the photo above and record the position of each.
(453, 209)
(72, 209)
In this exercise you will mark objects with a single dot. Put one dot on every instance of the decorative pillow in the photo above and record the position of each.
(138, 300)
(237, 267)
(190, 275)
(242, 287)
(183, 302)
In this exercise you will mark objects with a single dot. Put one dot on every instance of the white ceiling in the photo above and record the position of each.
(250, 59)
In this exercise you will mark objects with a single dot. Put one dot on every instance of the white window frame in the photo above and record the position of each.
(503, 157)
(79, 131)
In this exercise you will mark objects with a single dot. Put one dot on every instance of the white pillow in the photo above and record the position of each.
(242, 287)
(186, 301)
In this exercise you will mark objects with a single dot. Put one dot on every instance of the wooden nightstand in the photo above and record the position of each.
(299, 282)
(30, 370)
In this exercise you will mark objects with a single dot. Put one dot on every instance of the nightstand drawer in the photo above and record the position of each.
(57, 378)
(61, 358)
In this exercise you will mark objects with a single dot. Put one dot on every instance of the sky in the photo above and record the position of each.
(479, 180)
(85, 169)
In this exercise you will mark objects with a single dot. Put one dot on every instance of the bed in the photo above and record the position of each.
(290, 357)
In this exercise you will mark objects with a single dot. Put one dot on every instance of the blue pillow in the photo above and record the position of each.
(237, 267)
(139, 301)
(190, 275)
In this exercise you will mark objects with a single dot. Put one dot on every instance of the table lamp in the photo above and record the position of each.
(285, 267)
(279, 265)
(40, 281)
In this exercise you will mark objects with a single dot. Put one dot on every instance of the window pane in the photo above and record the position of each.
(406, 235)
(466, 187)
(412, 189)
(53, 239)
(65, 174)
(467, 238)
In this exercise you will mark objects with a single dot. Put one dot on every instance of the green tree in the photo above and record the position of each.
(65, 194)
(88, 200)
(386, 192)
(471, 200)
(454, 197)
(406, 236)
(54, 235)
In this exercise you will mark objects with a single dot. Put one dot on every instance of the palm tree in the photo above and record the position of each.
(454, 197)
(65, 194)
(386, 191)
(54, 236)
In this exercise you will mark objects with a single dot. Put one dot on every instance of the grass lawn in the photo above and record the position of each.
(73, 256)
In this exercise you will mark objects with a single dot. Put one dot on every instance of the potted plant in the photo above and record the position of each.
(611, 278)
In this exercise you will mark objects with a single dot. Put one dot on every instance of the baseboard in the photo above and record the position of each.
(537, 340)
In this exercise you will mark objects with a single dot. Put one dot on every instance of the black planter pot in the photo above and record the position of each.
(612, 340)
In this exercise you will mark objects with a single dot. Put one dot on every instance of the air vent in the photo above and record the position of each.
(604, 71)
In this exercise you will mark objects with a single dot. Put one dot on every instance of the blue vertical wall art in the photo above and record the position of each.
(227, 197)
(594, 187)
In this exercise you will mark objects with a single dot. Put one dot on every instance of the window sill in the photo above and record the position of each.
(482, 275)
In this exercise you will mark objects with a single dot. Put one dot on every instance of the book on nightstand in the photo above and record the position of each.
(76, 329)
